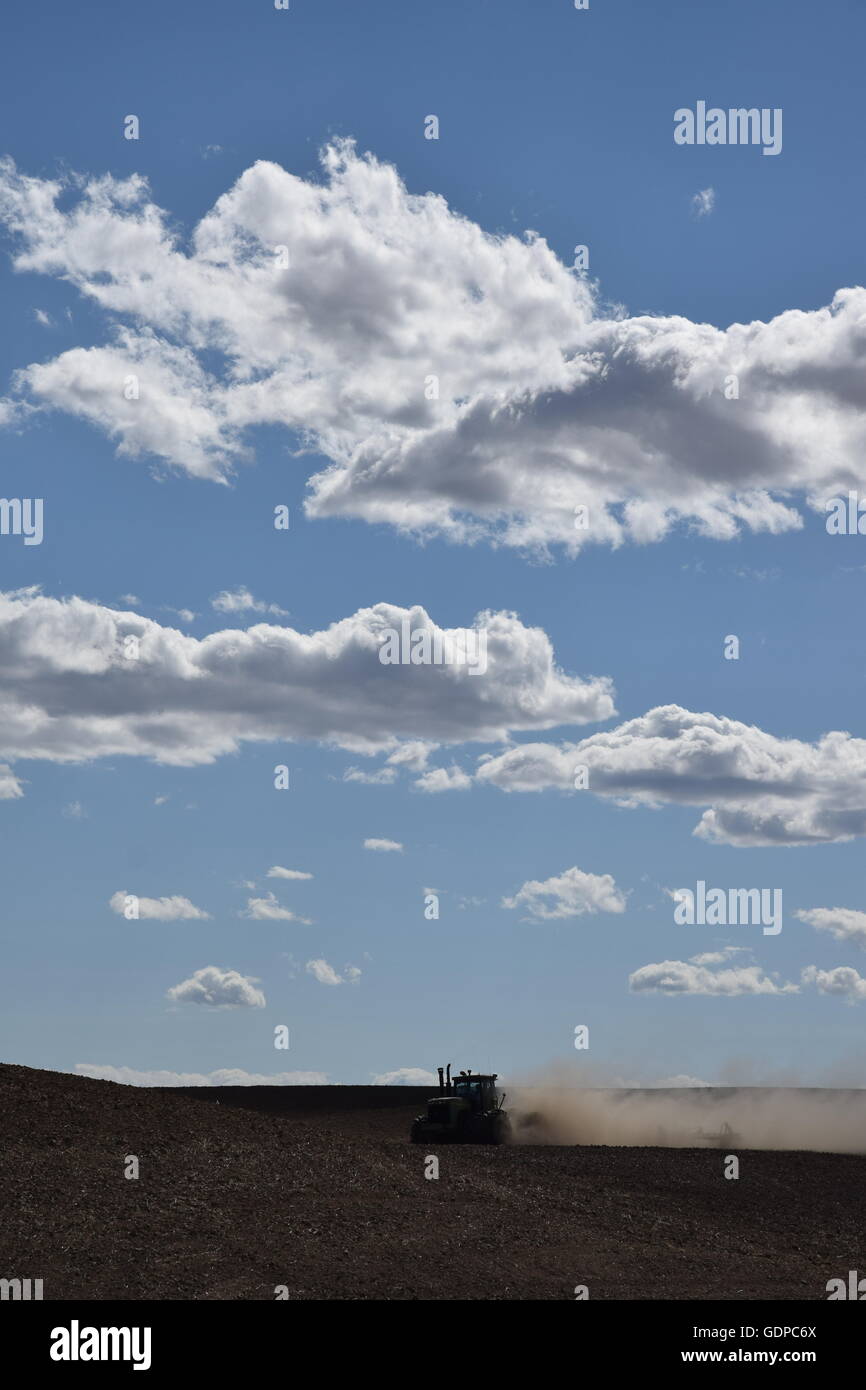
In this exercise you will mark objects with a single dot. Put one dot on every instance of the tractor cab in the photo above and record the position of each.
(478, 1091)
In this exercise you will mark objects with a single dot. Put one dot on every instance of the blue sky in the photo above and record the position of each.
(551, 120)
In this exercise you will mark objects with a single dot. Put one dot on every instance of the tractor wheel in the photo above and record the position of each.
(496, 1128)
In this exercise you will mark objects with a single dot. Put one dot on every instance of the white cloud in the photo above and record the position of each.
(74, 811)
(69, 691)
(411, 756)
(323, 972)
(14, 413)
(704, 202)
(845, 923)
(690, 977)
(442, 779)
(327, 975)
(278, 872)
(385, 846)
(222, 989)
(544, 403)
(406, 1076)
(241, 601)
(569, 894)
(760, 790)
(10, 785)
(268, 909)
(716, 957)
(172, 909)
(382, 777)
(843, 981)
(177, 423)
(226, 1076)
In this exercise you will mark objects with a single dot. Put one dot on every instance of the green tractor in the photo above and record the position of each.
(467, 1110)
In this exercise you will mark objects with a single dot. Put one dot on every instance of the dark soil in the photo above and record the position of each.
(322, 1193)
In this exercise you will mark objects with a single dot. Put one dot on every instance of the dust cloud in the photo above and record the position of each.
(551, 1109)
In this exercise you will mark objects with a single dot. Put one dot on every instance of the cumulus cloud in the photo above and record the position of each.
(457, 382)
(692, 977)
(844, 981)
(241, 601)
(327, 975)
(406, 1076)
(277, 871)
(70, 691)
(444, 779)
(226, 1076)
(411, 756)
(384, 846)
(222, 989)
(268, 909)
(323, 972)
(845, 923)
(569, 894)
(172, 909)
(759, 789)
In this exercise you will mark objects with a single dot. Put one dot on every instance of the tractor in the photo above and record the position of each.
(466, 1110)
